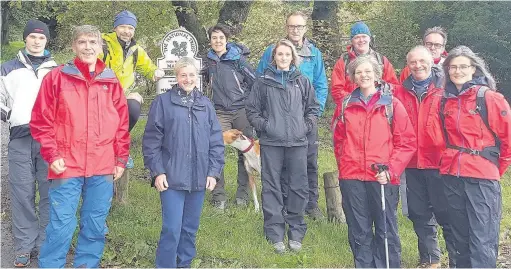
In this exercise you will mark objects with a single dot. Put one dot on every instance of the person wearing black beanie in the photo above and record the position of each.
(20, 82)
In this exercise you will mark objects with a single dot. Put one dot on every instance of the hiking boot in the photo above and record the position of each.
(22, 260)
(315, 214)
(241, 202)
(34, 253)
(434, 265)
(130, 164)
(220, 205)
(279, 247)
(295, 245)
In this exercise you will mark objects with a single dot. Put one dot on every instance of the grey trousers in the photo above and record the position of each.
(26, 167)
(237, 120)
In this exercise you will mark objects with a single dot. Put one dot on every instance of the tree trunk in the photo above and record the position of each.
(5, 22)
(186, 13)
(333, 197)
(234, 14)
(325, 30)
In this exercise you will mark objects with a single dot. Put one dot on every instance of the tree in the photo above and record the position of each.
(6, 13)
(235, 14)
(186, 13)
(325, 30)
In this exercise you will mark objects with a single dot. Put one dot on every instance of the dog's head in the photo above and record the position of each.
(231, 135)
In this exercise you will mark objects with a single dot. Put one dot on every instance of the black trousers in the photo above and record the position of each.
(475, 210)
(134, 108)
(277, 212)
(427, 206)
(312, 170)
(361, 202)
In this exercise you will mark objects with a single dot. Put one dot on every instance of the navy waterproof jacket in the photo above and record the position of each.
(183, 139)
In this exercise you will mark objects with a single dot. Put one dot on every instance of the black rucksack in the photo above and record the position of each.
(491, 153)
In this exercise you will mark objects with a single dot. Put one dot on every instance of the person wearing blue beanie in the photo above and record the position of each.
(125, 17)
(342, 85)
(124, 56)
(359, 28)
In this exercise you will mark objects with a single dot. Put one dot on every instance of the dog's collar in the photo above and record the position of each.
(249, 146)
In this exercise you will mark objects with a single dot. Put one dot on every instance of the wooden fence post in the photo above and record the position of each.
(121, 188)
(333, 197)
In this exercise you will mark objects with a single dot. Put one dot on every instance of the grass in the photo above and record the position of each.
(235, 238)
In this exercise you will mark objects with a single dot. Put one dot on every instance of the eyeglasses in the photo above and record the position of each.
(296, 27)
(462, 68)
(436, 45)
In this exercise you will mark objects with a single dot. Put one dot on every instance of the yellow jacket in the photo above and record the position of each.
(125, 69)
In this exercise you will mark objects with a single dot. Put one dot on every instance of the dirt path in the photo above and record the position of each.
(7, 250)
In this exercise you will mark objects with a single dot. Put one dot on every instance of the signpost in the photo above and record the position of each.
(175, 45)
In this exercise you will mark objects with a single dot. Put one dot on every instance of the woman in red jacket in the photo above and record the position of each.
(476, 126)
(371, 127)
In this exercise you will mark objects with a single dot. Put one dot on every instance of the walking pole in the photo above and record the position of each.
(381, 168)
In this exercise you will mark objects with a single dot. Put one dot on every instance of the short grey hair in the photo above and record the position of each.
(475, 61)
(297, 13)
(362, 59)
(422, 49)
(184, 62)
(436, 30)
(88, 30)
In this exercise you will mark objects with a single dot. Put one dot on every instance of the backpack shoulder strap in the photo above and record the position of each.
(379, 58)
(482, 109)
(105, 51)
(135, 58)
(345, 102)
(443, 100)
(389, 107)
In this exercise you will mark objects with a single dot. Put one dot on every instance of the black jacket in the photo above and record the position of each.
(282, 107)
(230, 77)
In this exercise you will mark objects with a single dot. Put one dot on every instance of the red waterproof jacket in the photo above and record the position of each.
(465, 128)
(366, 137)
(342, 85)
(81, 119)
(422, 114)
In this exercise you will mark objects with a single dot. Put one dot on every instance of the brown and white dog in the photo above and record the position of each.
(251, 154)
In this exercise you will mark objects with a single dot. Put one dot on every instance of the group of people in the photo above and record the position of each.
(442, 126)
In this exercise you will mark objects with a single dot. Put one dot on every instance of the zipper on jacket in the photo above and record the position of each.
(237, 82)
(190, 148)
(459, 133)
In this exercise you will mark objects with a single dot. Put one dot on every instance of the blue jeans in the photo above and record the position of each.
(64, 195)
(181, 212)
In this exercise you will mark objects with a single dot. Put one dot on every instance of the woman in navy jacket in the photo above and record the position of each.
(184, 151)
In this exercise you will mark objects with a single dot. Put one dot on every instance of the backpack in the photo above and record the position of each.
(346, 57)
(106, 54)
(386, 96)
(491, 153)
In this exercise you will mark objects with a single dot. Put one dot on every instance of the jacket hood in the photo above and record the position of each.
(281, 76)
(451, 89)
(234, 52)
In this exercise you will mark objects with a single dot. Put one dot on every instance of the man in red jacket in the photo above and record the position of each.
(342, 84)
(427, 204)
(80, 117)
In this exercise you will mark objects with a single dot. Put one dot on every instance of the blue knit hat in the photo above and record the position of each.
(125, 17)
(359, 28)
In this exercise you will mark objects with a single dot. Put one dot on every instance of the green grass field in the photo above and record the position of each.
(235, 238)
